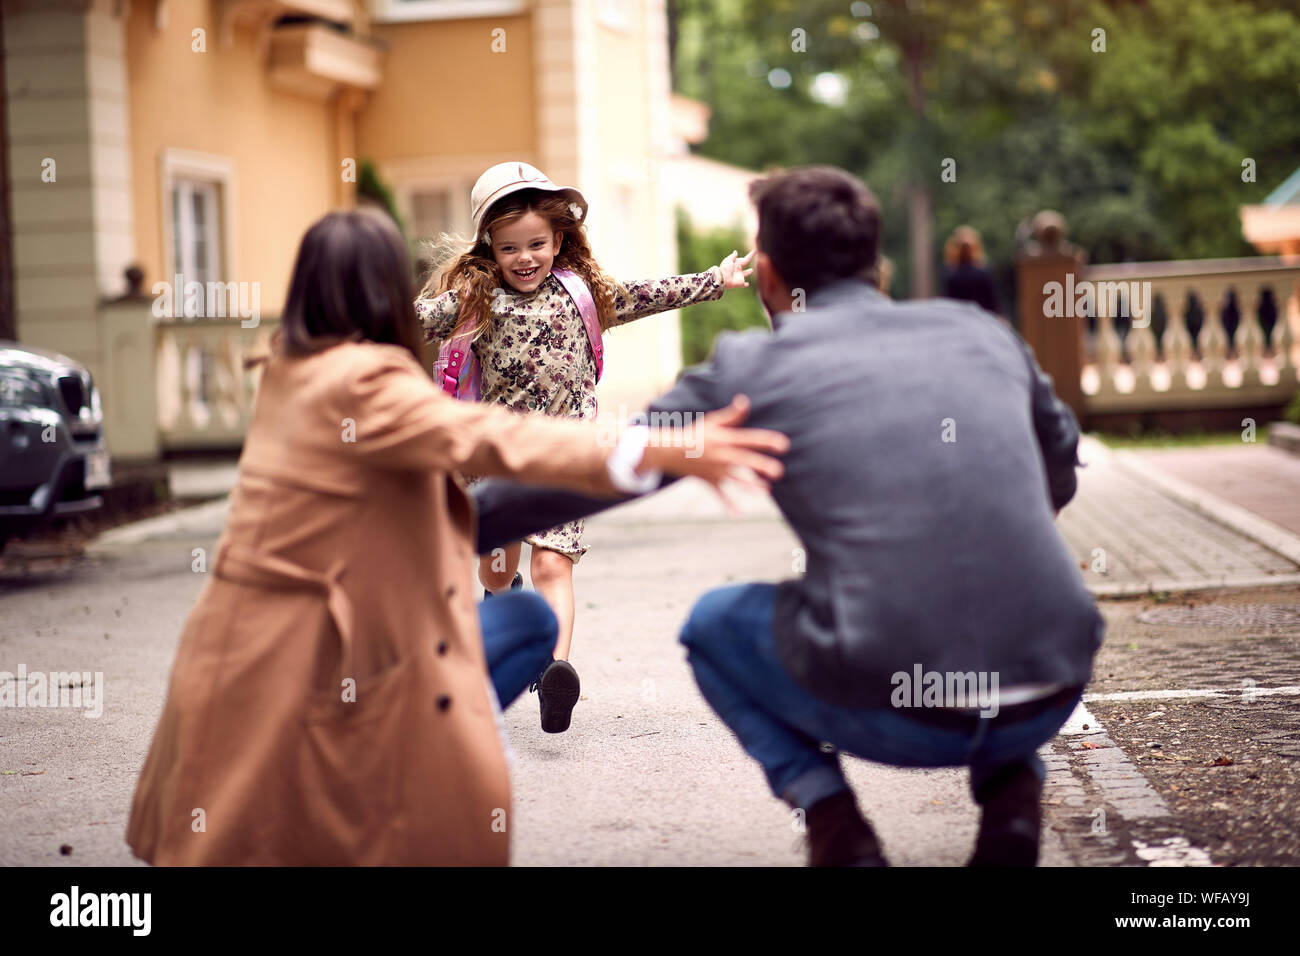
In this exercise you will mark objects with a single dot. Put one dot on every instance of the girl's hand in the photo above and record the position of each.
(734, 271)
(716, 450)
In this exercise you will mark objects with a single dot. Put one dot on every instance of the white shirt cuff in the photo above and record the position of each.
(623, 460)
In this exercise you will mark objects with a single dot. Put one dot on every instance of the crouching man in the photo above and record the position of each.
(941, 620)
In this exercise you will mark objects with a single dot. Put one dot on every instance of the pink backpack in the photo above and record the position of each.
(457, 369)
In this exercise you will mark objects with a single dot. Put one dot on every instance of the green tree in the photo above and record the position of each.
(1140, 145)
(698, 251)
(371, 188)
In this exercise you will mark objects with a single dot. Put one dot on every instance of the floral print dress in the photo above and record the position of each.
(539, 358)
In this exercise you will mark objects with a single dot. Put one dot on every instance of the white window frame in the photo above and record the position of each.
(184, 191)
(217, 175)
(396, 11)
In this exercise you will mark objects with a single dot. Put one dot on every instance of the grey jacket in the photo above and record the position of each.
(928, 452)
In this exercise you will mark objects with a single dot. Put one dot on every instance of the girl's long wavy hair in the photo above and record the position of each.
(476, 277)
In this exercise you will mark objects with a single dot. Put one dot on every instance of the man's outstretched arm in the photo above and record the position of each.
(1057, 431)
(508, 510)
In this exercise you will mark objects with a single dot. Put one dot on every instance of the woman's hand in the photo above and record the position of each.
(716, 450)
(734, 271)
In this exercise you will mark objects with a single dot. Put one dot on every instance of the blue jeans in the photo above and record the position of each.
(731, 648)
(519, 634)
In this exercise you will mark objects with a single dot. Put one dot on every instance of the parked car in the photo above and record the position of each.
(52, 452)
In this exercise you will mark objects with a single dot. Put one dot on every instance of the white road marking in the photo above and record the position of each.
(1246, 693)
(1123, 787)
(1175, 851)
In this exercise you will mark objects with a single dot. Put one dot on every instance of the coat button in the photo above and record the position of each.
(442, 647)
(444, 702)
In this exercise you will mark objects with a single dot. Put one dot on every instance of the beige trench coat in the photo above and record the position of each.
(347, 559)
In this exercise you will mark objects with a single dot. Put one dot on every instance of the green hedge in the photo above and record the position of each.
(697, 251)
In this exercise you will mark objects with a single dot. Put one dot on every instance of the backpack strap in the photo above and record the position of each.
(581, 296)
(454, 358)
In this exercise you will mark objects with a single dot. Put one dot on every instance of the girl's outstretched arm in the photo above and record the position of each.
(652, 296)
(437, 315)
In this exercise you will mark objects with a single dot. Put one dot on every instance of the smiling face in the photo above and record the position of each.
(525, 249)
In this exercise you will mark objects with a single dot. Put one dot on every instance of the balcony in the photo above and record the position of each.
(315, 60)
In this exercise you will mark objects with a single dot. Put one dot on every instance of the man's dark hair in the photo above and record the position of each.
(817, 224)
(351, 281)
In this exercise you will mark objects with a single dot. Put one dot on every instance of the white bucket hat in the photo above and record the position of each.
(505, 178)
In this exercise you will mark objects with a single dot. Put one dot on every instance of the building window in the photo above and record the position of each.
(198, 222)
(433, 213)
(196, 238)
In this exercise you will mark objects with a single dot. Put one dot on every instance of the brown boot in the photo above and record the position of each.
(838, 835)
(1012, 818)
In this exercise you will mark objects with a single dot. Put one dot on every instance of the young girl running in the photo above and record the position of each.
(536, 355)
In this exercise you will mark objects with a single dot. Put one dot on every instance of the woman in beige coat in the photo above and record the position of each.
(329, 702)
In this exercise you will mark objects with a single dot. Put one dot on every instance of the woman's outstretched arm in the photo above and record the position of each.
(401, 421)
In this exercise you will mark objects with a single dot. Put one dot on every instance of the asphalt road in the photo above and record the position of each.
(646, 775)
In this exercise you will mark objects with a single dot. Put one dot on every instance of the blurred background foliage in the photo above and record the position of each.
(697, 251)
(1140, 146)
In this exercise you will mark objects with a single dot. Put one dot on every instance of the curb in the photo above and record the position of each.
(197, 519)
(1285, 436)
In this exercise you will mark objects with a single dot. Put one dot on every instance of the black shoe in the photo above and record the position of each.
(515, 585)
(1012, 818)
(537, 681)
(557, 689)
(838, 835)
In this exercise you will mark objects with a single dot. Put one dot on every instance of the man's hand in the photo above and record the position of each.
(734, 271)
(717, 450)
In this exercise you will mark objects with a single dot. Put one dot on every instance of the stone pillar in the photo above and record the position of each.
(1057, 341)
(68, 140)
(564, 60)
(128, 376)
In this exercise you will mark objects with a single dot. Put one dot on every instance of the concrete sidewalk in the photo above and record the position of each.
(1261, 479)
(1135, 532)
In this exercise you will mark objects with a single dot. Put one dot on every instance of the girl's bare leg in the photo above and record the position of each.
(552, 575)
(497, 570)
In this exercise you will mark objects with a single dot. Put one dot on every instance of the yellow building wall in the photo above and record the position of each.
(447, 94)
(632, 235)
(281, 146)
(623, 135)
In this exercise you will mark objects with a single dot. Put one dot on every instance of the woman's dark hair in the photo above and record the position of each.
(817, 224)
(351, 282)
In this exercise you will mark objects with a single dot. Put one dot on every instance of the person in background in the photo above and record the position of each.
(885, 277)
(966, 277)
